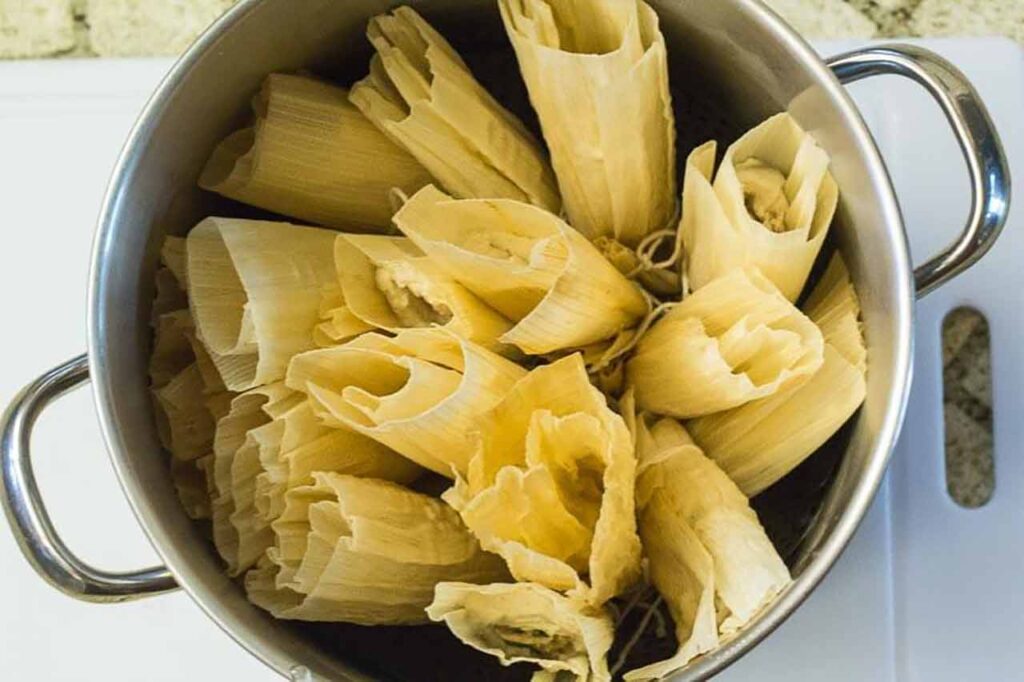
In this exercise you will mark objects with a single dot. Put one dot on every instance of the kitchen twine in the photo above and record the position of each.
(652, 614)
(645, 253)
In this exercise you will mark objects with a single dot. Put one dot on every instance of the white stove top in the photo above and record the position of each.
(927, 591)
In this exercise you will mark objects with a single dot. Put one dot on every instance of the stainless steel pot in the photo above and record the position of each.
(732, 62)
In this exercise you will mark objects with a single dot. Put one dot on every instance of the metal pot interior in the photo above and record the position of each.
(731, 65)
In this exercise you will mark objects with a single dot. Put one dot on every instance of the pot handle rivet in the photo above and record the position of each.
(976, 134)
(30, 522)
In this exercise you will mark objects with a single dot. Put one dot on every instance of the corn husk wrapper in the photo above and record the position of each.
(708, 554)
(188, 395)
(683, 572)
(295, 445)
(338, 325)
(390, 284)
(663, 282)
(770, 207)
(313, 156)
(169, 296)
(191, 483)
(364, 551)
(256, 290)
(185, 424)
(735, 340)
(759, 443)
(175, 346)
(422, 95)
(172, 351)
(174, 256)
(171, 281)
(551, 486)
(169, 317)
(212, 379)
(186, 414)
(528, 264)
(597, 75)
(528, 623)
(422, 393)
(342, 451)
(835, 308)
(181, 392)
(238, 540)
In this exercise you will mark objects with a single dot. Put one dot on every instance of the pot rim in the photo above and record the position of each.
(831, 548)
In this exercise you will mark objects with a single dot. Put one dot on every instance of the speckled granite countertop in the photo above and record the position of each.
(38, 28)
(88, 28)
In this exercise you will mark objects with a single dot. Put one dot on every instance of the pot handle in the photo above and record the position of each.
(31, 525)
(974, 130)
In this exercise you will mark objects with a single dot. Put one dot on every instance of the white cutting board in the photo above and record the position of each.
(944, 607)
(929, 591)
(62, 124)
